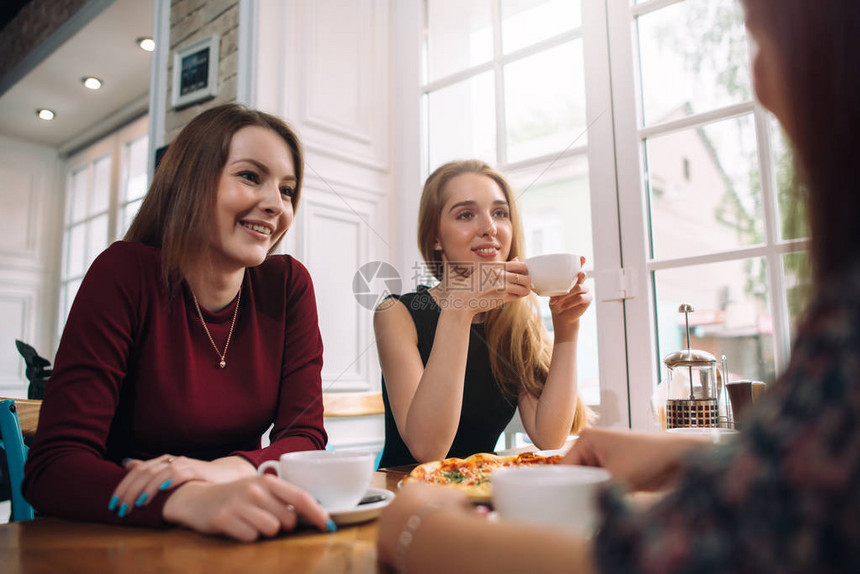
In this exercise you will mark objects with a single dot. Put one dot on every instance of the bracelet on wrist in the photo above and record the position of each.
(407, 535)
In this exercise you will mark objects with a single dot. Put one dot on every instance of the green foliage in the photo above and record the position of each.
(721, 48)
(719, 44)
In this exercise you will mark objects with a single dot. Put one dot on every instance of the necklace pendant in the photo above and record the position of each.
(221, 355)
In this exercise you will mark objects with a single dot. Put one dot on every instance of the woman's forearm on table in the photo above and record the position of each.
(434, 412)
(554, 412)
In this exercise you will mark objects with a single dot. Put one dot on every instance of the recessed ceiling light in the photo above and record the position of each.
(92, 82)
(45, 114)
(146, 43)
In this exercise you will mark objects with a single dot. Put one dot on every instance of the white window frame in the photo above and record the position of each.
(643, 364)
(113, 146)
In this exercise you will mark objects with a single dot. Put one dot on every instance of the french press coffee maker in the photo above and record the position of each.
(692, 385)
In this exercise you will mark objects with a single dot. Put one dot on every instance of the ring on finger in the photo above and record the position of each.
(291, 508)
(170, 459)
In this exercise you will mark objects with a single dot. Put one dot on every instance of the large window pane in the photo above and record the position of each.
(587, 364)
(525, 22)
(798, 277)
(791, 211)
(462, 122)
(545, 102)
(128, 214)
(78, 195)
(459, 35)
(105, 183)
(135, 172)
(555, 206)
(101, 185)
(693, 57)
(70, 290)
(97, 237)
(76, 253)
(705, 192)
(731, 315)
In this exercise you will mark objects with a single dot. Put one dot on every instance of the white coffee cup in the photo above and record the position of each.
(337, 479)
(553, 274)
(551, 495)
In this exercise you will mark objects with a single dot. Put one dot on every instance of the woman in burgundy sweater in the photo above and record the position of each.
(185, 343)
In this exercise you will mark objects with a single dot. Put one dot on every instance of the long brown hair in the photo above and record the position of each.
(520, 348)
(178, 210)
(818, 44)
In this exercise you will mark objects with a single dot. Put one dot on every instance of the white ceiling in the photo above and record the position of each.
(104, 48)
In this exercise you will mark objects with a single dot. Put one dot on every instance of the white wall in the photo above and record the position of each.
(325, 68)
(30, 215)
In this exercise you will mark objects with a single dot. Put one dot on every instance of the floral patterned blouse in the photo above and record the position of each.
(785, 495)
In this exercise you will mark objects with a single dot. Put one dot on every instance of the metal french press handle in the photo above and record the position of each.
(686, 309)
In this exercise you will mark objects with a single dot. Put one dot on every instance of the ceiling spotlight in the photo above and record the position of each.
(92, 82)
(45, 114)
(146, 43)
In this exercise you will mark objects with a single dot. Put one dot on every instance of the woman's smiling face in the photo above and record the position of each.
(254, 204)
(475, 224)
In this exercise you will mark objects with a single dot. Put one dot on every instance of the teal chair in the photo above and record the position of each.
(12, 442)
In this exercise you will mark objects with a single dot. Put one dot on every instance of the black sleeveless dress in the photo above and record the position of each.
(486, 410)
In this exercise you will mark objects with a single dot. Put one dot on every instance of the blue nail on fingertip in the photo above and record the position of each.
(141, 499)
(331, 526)
(165, 485)
(114, 500)
(123, 510)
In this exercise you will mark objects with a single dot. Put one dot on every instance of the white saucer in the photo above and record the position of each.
(363, 512)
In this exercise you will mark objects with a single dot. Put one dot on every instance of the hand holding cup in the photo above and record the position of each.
(560, 276)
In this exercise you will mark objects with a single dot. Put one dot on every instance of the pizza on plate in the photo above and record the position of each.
(472, 474)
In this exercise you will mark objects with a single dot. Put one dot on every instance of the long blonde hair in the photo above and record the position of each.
(520, 348)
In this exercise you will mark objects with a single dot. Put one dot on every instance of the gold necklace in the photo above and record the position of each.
(221, 355)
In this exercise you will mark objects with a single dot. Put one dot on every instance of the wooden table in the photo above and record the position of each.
(50, 545)
(28, 414)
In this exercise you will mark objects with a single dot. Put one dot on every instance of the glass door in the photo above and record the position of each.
(704, 178)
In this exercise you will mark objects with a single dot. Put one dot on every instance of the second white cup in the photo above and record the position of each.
(337, 479)
(554, 495)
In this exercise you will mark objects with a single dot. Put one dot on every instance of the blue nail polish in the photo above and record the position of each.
(123, 510)
(114, 500)
(165, 485)
(330, 525)
(141, 499)
(125, 461)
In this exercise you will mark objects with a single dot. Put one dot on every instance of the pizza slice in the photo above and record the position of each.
(472, 474)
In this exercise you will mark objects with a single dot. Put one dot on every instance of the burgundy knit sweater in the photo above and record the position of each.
(136, 376)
